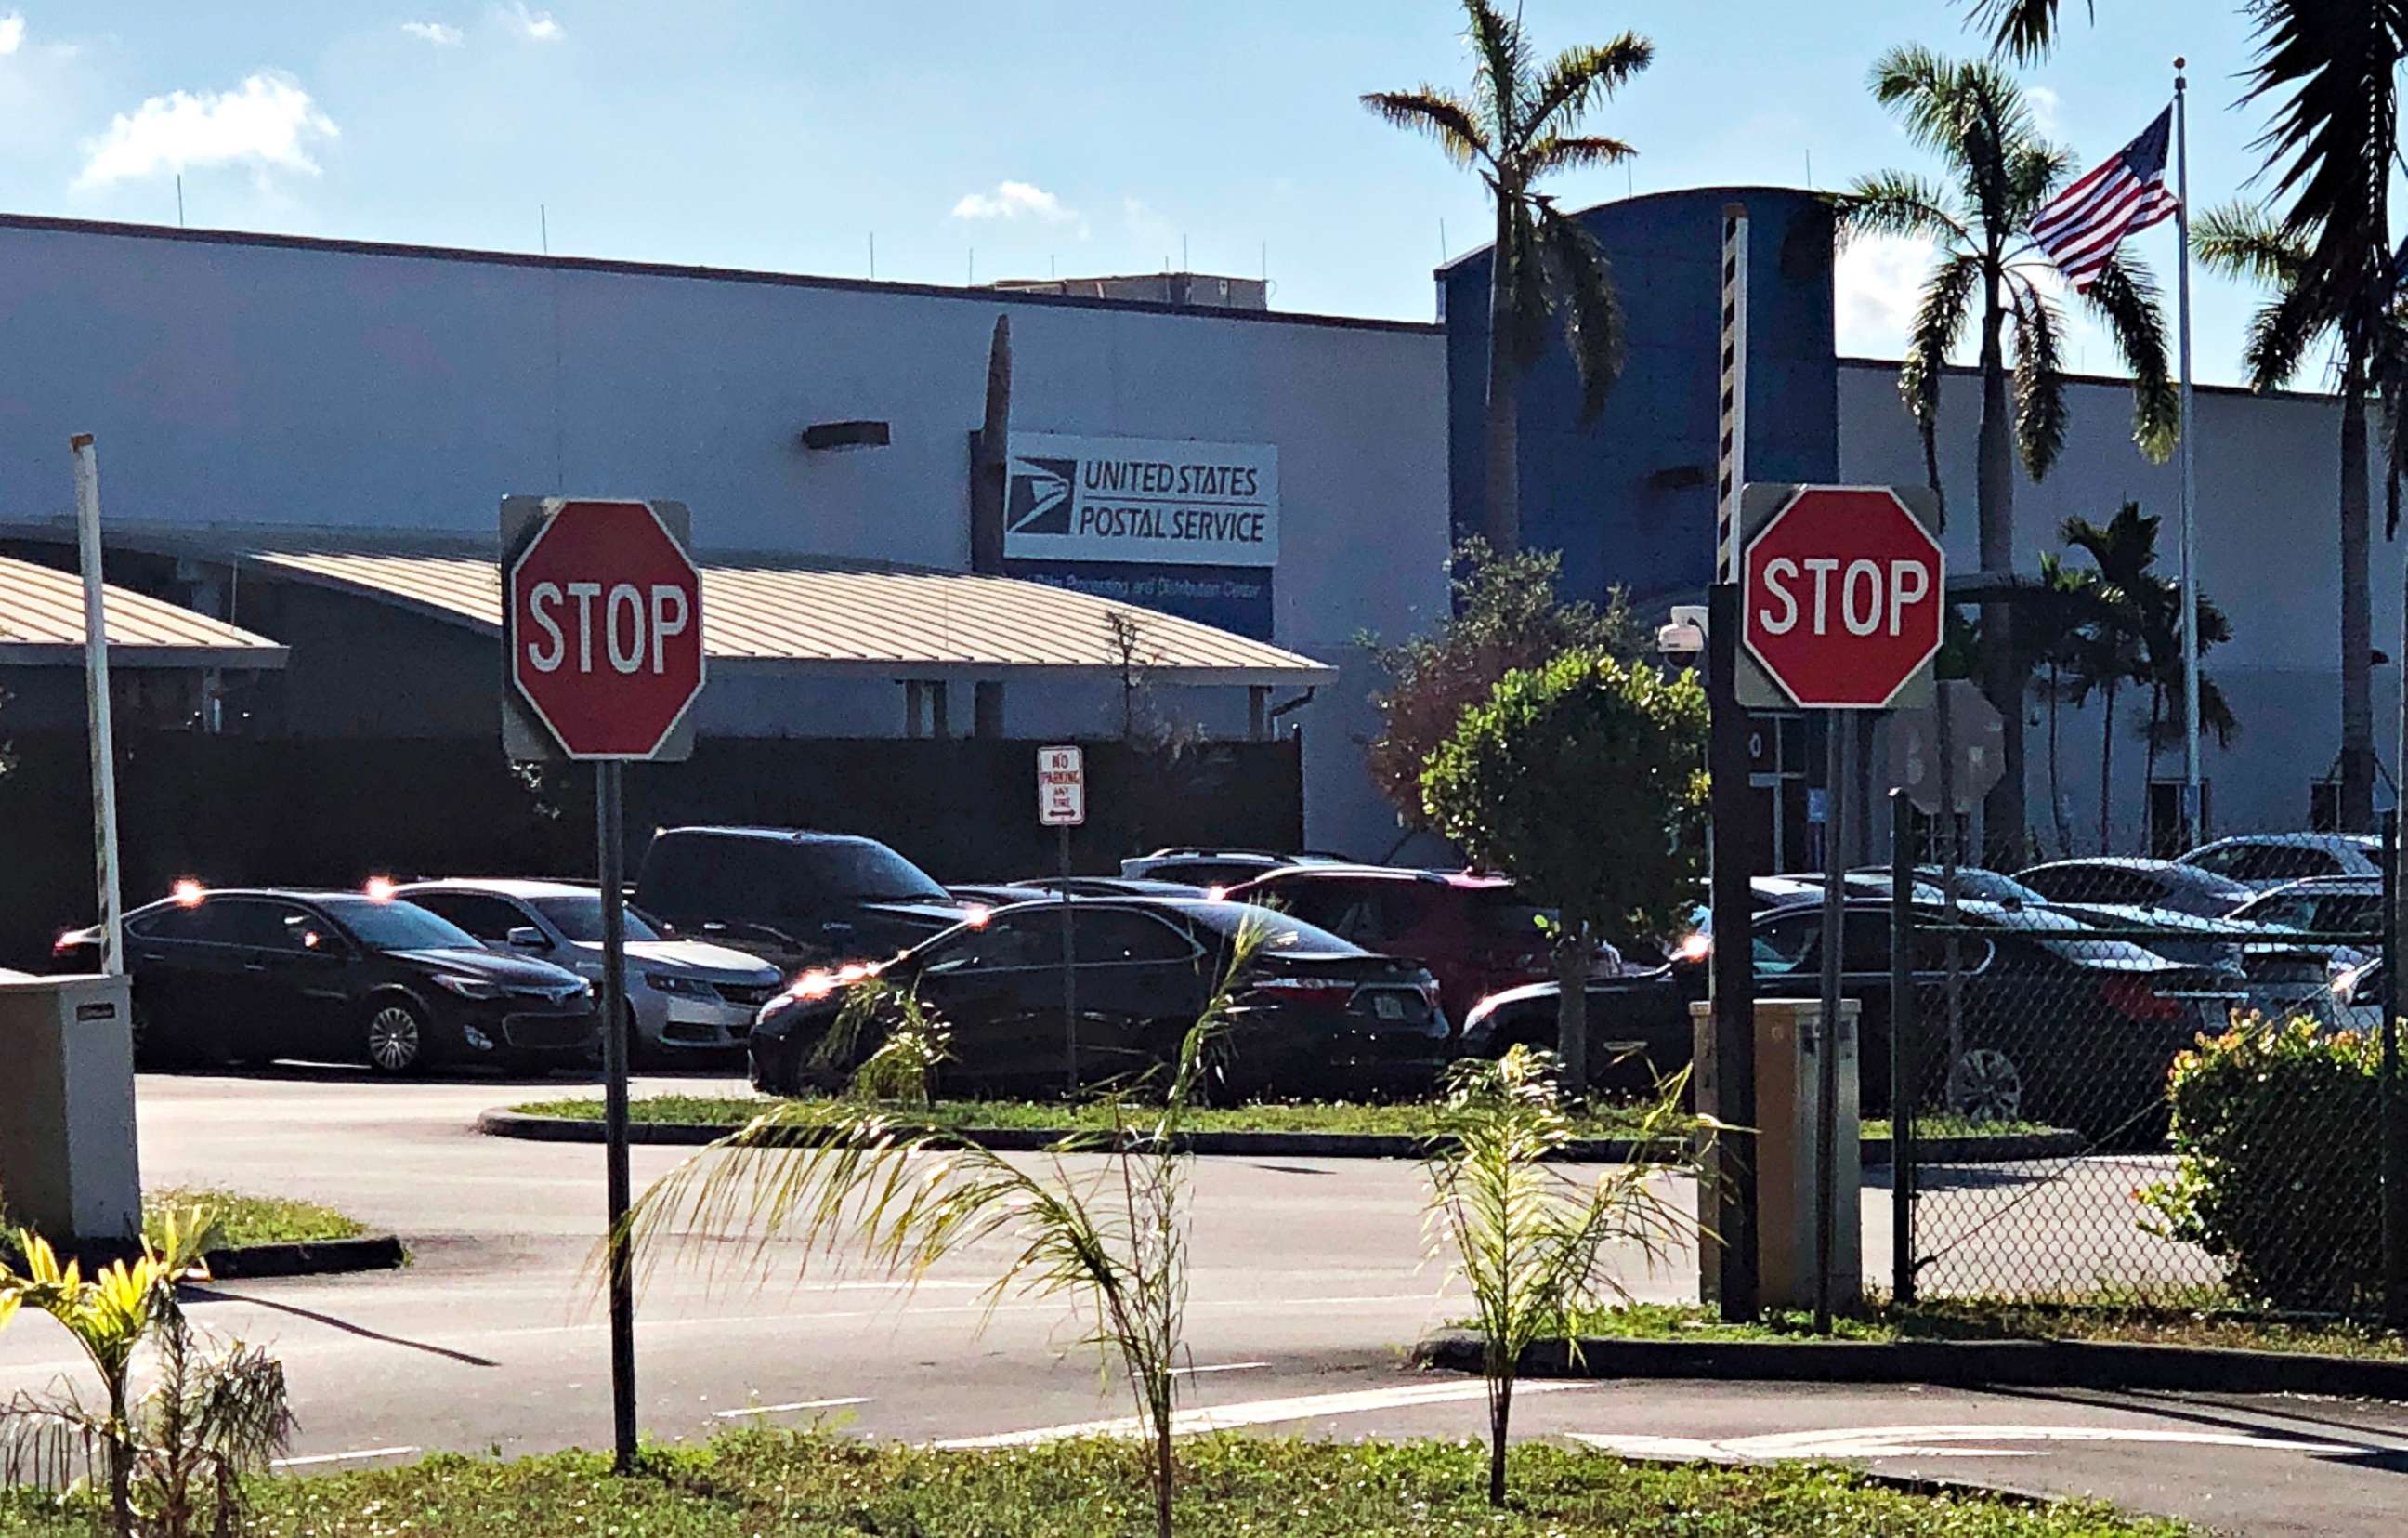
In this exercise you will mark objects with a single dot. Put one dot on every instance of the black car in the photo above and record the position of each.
(2059, 1024)
(794, 898)
(1316, 1014)
(2129, 883)
(254, 974)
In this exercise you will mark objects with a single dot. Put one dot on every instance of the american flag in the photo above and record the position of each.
(2082, 226)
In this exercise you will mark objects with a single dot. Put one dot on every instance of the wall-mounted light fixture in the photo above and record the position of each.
(829, 437)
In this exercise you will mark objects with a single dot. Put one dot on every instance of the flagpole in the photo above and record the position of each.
(2192, 814)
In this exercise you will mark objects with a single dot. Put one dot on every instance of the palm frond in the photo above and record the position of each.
(1581, 281)
(2124, 297)
(1925, 91)
(2331, 69)
(1438, 113)
(1501, 68)
(2036, 170)
(2281, 333)
(2040, 410)
(2243, 240)
(1529, 303)
(1939, 318)
(1551, 152)
(1573, 80)
(2021, 30)
(1899, 203)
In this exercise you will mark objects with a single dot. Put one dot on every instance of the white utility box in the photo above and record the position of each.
(67, 1164)
(1788, 1112)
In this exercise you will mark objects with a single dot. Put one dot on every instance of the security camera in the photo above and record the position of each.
(1685, 637)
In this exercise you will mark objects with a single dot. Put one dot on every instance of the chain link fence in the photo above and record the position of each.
(2137, 1080)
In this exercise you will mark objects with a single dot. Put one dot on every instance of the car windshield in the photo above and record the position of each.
(400, 927)
(1982, 886)
(578, 918)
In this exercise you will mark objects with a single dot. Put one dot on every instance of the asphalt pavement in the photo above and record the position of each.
(1309, 1283)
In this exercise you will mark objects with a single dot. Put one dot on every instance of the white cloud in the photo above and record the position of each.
(2046, 105)
(1876, 285)
(12, 32)
(1016, 200)
(268, 123)
(435, 33)
(536, 26)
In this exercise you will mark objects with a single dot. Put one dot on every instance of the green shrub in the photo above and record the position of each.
(2277, 1131)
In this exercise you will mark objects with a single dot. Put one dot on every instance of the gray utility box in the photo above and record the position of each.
(1788, 1112)
(67, 1165)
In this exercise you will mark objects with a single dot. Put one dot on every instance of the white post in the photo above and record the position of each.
(95, 664)
(1734, 393)
(2193, 810)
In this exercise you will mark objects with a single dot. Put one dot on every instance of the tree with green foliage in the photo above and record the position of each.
(1586, 780)
(1527, 1240)
(1998, 173)
(1523, 122)
(1507, 614)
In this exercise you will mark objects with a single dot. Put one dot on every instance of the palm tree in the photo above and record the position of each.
(1522, 122)
(2058, 633)
(2245, 242)
(1999, 174)
(2023, 30)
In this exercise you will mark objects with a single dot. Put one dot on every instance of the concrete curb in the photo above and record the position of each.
(1958, 1364)
(1877, 1151)
(305, 1258)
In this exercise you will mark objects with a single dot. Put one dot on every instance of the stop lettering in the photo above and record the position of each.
(1842, 591)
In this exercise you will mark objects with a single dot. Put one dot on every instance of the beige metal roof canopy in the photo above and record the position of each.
(836, 617)
(41, 625)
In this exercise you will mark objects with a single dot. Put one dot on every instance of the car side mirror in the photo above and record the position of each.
(526, 937)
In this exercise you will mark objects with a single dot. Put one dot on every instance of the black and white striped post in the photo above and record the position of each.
(1731, 981)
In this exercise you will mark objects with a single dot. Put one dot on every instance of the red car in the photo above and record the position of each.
(1474, 933)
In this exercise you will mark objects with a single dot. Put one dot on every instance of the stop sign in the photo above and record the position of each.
(604, 628)
(1841, 589)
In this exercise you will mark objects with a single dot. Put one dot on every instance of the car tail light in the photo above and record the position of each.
(68, 940)
(2133, 998)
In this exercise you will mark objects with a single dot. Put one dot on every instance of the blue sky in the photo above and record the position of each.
(785, 135)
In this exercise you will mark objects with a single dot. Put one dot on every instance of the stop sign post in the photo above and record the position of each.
(602, 659)
(1841, 598)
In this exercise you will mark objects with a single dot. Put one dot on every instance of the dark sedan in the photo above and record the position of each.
(2059, 1024)
(252, 975)
(1316, 1014)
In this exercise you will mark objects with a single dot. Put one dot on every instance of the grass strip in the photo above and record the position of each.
(813, 1485)
(248, 1219)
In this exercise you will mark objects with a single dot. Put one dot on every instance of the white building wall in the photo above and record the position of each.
(242, 383)
(2269, 553)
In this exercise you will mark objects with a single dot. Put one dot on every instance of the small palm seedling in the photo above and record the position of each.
(857, 1172)
(1528, 1239)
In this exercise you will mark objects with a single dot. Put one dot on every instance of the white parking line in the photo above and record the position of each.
(1223, 1417)
(1940, 1442)
(362, 1456)
(783, 1409)
(1225, 1367)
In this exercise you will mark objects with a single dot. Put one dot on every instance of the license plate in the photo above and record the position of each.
(1387, 1006)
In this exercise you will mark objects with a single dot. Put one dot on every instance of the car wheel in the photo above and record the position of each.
(395, 1037)
(1986, 1086)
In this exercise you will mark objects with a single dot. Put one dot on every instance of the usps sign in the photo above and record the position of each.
(1161, 501)
(1061, 788)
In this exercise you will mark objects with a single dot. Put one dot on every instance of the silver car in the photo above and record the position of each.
(685, 998)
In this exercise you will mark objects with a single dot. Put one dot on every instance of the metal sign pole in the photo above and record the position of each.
(1069, 976)
(97, 708)
(1902, 1048)
(1838, 737)
(611, 835)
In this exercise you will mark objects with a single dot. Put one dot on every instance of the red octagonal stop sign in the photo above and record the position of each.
(1842, 596)
(606, 628)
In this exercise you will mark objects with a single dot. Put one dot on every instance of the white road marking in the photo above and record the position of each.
(1225, 1367)
(362, 1456)
(1940, 1441)
(783, 1409)
(1223, 1417)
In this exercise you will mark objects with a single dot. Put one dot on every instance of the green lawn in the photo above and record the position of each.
(256, 1219)
(1410, 1120)
(770, 1482)
(2204, 1321)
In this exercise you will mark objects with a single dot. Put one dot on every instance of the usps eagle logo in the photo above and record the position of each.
(1038, 500)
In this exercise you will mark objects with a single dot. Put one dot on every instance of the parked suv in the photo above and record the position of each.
(796, 899)
(250, 975)
(1221, 868)
(684, 997)
(2263, 861)
(1477, 934)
